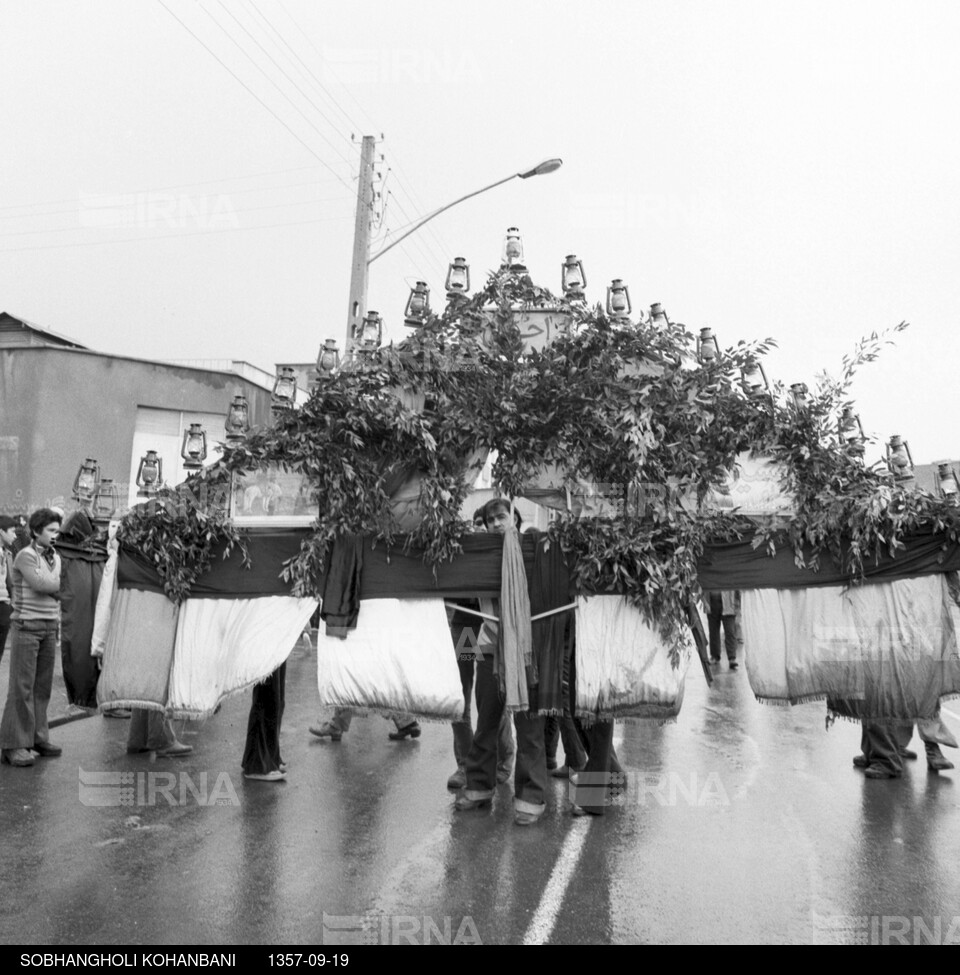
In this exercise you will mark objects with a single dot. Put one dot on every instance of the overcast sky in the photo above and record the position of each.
(767, 169)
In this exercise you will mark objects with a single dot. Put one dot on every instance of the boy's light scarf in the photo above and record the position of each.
(516, 642)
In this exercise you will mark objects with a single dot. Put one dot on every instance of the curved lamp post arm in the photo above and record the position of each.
(548, 166)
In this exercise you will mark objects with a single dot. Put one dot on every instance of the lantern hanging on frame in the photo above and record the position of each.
(754, 378)
(618, 299)
(194, 448)
(284, 390)
(237, 424)
(513, 250)
(149, 474)
(418, 305)
(851, 430)
(573, 278)
(458, 278)
(371, 332)
(329, 360)
(948, 484)
(708, 349)
(899, 458)
(86, 482)
(107, 501)
(799, 394)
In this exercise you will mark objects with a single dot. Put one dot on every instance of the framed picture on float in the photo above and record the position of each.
(273, 498)
(755, 489)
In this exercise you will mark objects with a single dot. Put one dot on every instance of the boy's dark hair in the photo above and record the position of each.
(41, 518)
(8, 521)
(494, 504)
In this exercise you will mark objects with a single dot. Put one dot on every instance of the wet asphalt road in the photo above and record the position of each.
(742, 823)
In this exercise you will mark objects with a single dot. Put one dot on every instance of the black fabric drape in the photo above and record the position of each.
(476, 571)
(737, 565)
(82, 558)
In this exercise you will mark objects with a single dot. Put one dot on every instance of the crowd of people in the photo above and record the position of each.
(505, 736)
(510, 737)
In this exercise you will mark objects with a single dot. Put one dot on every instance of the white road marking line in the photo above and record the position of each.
(541, 927)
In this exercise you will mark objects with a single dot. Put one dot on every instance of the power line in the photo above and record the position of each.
(421, 244)
(177, 186)
(292, 82)
(154, 211)
(120, 198)
(283, 94)
(303, 34)
(413, 220)
(415, 203)
(312, 152)
(305, 67)
(199, 233)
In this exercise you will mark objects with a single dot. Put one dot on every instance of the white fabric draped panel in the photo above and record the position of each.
(138, 652)
(399, 660)
(890, 647)
(225, 645)
(105, 600)
(623, 665)
(184, 660)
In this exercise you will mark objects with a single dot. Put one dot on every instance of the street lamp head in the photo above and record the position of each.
(547, 166)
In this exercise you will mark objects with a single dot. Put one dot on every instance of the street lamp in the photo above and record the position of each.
(363, 259)
(547, 166)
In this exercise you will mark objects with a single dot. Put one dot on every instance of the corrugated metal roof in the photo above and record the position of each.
(10, 325)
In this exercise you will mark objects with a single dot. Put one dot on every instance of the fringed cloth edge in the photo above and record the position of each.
(130, 703)
(882, 721)
(787, 702)
(366, 712)
(191, 714)
(783, 702)
(650, 712)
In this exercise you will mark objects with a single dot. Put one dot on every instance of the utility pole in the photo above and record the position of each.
(359, 272)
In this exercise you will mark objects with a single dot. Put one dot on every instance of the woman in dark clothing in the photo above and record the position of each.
(261, 754)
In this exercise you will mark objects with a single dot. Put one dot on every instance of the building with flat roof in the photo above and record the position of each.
(61, 402)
